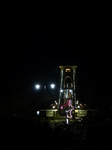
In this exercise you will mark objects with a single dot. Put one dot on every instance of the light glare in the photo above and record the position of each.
(61, 90)
(38, 112)
(37, 86)
(67, 121)
(52, 86)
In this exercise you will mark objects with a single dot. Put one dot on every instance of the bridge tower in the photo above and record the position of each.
(67, 86)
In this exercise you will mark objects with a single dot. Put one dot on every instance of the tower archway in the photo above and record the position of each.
(67, 93)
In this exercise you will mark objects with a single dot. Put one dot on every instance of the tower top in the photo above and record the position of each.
(69, 66)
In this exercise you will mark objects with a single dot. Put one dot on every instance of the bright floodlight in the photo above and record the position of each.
(52, 86)
(67, 121)
(61, 90)
(37, 86)
(38, 112)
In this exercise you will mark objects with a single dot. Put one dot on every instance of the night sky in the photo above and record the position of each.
(34, 47)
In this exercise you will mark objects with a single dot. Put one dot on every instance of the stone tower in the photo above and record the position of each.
(67, 85)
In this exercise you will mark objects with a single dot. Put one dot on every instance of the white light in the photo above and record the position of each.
(38, 112)
(61, 90)
(52, 86)
(37, 86)
(56, 102)
(77, 102)
(67, 121)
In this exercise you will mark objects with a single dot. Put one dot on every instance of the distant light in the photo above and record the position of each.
(61, 90)
(38, 112)
(67, 121)
(61, 107)
(77, 102)
(37, 86)
(52, 86)
(56, 102)
(78, 106)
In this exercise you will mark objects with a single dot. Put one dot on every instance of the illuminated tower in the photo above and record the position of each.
(67, 85)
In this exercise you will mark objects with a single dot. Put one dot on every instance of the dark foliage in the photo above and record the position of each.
(93, 132)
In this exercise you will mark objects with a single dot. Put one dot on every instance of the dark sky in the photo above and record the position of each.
(34, 47)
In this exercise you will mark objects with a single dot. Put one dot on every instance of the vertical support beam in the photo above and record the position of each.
(74, 88)
(61, 83)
